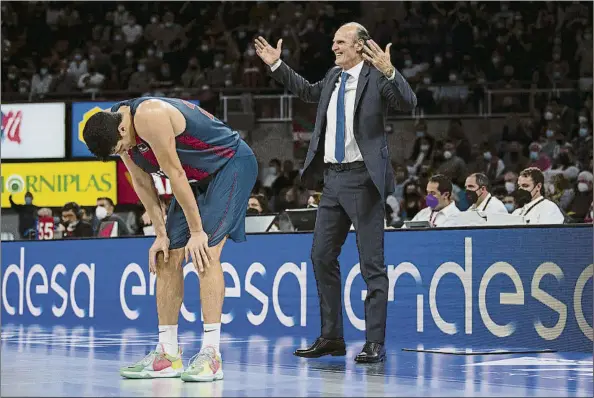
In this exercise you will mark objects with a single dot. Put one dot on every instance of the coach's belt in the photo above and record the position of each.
(345, 166)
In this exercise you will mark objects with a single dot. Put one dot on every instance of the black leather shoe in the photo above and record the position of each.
(323, 347)
(371, 353)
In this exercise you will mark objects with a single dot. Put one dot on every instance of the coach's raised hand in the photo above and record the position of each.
(378, 58)
(266, 52)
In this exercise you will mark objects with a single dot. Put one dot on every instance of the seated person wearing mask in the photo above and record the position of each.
(478, 196)
(439, 201)
(72, 226)
(110, 224)
(532, 205)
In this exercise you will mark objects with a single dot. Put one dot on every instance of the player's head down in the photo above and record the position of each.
(108, 133)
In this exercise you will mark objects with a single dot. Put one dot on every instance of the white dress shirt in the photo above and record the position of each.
(489, 205)
(541, 211)
(351, 151)
(436, 218)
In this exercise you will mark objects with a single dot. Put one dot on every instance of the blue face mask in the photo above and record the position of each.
(549, 133)
(583, 132)
(510, 207)
(533, 155)
(28, 200)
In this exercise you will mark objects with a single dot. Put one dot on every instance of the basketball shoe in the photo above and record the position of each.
(157, 364)
(207, 365)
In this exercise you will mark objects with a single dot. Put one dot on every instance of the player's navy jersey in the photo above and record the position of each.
(203, 148)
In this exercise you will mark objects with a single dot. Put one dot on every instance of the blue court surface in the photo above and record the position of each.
(57, 361)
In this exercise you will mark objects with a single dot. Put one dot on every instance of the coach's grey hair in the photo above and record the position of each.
(482, 180)
(361, 32)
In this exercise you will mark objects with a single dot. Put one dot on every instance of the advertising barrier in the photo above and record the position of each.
(81, 112)
(525, 287)
(55, 183)
(33, 131)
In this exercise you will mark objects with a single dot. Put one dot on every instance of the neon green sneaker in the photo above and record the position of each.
(157, 364)
(207, 365)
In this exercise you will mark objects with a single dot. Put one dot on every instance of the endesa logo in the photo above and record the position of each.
(143, 283)
(55, 282)
(445, 287)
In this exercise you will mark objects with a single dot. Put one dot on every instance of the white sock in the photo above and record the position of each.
(168, 337)
(212, 335)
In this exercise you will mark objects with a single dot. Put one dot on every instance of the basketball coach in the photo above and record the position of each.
(349, 146)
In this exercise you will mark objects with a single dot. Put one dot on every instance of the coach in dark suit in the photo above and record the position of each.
(349, 146)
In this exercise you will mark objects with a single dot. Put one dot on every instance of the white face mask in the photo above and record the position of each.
(100, 212)
(272, 170)
(548, 115)
(487, 155)
(510, 187)
(582, 119)
(447, 154)
(582, 187)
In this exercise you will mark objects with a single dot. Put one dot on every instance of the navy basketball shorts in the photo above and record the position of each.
(222, 204)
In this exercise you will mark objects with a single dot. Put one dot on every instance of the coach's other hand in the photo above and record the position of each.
(266, 52)
(378, 58)
(197, 249)
(161, 244)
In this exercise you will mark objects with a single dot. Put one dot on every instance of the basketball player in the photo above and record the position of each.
(212, 172)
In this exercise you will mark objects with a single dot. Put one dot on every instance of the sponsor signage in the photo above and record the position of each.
(55, 183)
(33, 131)
(473, 288)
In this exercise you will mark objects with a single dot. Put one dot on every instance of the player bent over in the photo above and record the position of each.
(212, 172)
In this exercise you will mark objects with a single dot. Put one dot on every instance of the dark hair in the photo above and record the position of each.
(74, 207)
(444, 184)
(101, 133)
(275, 161)
(536, 175)
(108, 200)
(481, 180)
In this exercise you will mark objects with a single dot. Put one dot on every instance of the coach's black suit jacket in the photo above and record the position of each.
(374, 93)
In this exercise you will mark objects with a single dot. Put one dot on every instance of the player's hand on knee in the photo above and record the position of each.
(161, 244)
(197, 250)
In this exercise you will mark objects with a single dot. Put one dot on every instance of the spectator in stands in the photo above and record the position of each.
(41, 83)
(141, 80)
(530, 200)
(27, 216)
(286, 178)
(582, 141)
(110, 224)
(314, 200)
(72, 225)
(509, 202)
(478, 196)
(424, 143)
(580, 206)
(439, 202)
(510, 180)
(560, 191)
(453, 167)
(538, 158)
(258, 204)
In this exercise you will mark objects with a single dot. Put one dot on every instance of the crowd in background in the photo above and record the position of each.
(450, 52)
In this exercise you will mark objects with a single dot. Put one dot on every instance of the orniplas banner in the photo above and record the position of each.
(525, 287)
(55, 183)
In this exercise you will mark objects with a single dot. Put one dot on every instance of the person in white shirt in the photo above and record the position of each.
(439, 201)
(477, 193)
(532, 205)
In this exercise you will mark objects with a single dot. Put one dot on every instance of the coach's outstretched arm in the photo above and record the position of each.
(282, 73)
(394, 88)
(154, 126)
